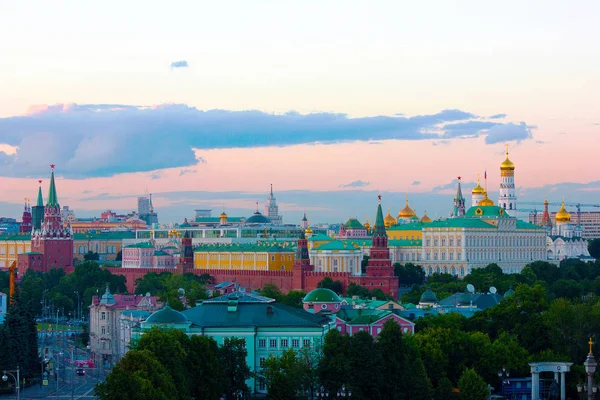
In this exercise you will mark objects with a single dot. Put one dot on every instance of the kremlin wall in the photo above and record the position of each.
(262, 250)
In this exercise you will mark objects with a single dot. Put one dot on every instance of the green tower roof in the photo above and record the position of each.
(52, 198)
(322, 295)
(40, 199)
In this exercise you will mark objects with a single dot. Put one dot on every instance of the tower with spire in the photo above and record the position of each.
(507, 198)
(304, 222)
(459, 202)
(272, 209)
(52, 240)
(302, 263)
(380, 263)
(26, 219)
(186, 260)
(37, 211)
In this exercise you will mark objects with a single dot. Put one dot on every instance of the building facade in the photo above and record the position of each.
(106, 325)
(263, 256)
(3, 306)
(272, 209)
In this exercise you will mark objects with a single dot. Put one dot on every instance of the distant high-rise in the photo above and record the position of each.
(143, 205)
(272, 209)
(146, 210)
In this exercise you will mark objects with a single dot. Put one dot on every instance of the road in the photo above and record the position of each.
(83, 388)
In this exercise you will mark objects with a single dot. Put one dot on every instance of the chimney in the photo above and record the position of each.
(269, 310)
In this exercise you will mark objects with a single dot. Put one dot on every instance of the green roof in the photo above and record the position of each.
(404, 243)
(52, 197)
(216, 220)
(428, 297)
(412, 226)
(260, 247)
(256, 314)
(337, 245)
(361, 316)
(526, 225)
(487, 211)
(167, 315)
(321, 238)
(353, 223)
(93, 235)
(141, 245)
(18, 237)
(460, 223)
(322, 295)
(40, 199)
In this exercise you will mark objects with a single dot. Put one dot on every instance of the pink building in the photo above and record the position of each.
(146, 255)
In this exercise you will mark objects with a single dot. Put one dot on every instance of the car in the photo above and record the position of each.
(80, 371)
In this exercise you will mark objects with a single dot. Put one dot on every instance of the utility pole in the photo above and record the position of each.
(72, 374)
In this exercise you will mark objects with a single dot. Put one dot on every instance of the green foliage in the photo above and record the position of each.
(293, 298)
(445, 390)
(19, 338)
(283, 375)
(137, 376)
(329, 283)
(472, 386)
(91, 256)
(409, 274)
(364, 293)
(166, 285)
(204, 368)
(232, 356)
(594, 248)
(119, 256)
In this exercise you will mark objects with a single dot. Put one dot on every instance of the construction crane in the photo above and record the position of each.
(11, 271)
(568, 204)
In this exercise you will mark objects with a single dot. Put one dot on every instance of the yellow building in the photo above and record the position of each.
(410, 231)
(106, 244)
(11, 246)
(263, 256)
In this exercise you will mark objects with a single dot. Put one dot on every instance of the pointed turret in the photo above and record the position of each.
(52, 197)
(459, 202)
(379, 228)
(37, 211)
(40, 198)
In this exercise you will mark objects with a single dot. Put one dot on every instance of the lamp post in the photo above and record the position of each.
(502, 375)
(17, 379)
(78, 305)
(590, 369)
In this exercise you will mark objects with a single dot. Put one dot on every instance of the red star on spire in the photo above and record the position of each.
(52, 166)
(459, 178)
(40, 181)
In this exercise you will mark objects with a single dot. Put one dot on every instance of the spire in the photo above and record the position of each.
(52, 198)
(271, 190)
(379, 228)
(459, 194)
(40, 199)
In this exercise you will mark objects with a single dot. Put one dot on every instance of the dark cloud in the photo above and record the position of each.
(355, 184)
(497, 116)
(179, 64)
(108, 139)
(416, 183)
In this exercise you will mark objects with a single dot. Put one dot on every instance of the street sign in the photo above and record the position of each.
(45, 382)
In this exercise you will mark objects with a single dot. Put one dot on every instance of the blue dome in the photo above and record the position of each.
(167, 315)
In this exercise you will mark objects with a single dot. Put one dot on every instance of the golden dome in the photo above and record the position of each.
(507, 165)
(308, 231)
(478, 189)
(367, 225)
(425, 217)
(562, 215)
(389, 220)
(486, 201)
(406, 212)
(223, 215)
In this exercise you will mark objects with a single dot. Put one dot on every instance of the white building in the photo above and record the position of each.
(337, 256)
(507, 198)
(272, 209)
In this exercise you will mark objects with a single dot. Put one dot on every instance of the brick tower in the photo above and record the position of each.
(53, 241)
(26, 219)
(186, 260)
(302, 263)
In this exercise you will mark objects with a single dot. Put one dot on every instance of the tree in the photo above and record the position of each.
(91, 256)
(357, 290)
(409, 274)
(594, 248)
(119, 256)
(365, 367)
(472, 386)
(204, 368)
(232, 356)
(137, 376)
(271, 291)
(282, 375)
(170, 349)
(19, 345)
(404, 376)
(329, 283)
(294, 298)
(445, 390)
(335, 367)
(363, 264)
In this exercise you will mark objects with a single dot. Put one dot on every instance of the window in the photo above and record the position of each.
(324, 306)
(451, 256)
(261, 361)
(335, 262)
(284, 343)
(378, 330)
(443, 242)
(428, 242)
(295, 343)
(262, 384)
(306, 342)
(104, 330)
(435, 242)
(458, 242)
(103, 317)
(272, 342)
(428, 256)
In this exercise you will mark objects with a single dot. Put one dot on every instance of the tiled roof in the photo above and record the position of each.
(460, 223)
(353, 223)
(412, 226)
(337, 245)
(268, 247)
(361, 316)
(241, 298)
(320, 238)
(528, 225)
(18, 237)
(141, 245)
(253, 315)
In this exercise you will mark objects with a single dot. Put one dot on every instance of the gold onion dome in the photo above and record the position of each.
(562, 215)
(308, 230)
(367, 225)
(486, 201)
(406, 212)
(223, 215)
(389, 220)
(425, 217)
(478, 189)
(507, 165)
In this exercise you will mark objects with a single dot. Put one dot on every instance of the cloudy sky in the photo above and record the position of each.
(204, 104)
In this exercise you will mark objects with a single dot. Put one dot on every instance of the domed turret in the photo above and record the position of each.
(389, 221)
(258, 218)
(486, 201)
(406, 212)
(507, 165)
(425, 217)
(367, 225)
(321, 299)
(166, 315)
(562, 215)
(428, 299)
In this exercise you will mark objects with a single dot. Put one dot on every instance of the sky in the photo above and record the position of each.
(204, 104)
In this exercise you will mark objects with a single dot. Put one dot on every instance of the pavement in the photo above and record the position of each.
(82, 388)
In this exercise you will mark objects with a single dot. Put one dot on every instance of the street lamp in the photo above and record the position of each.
(590, 369)
(502, 375)
(78, 304)
(17, 379)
